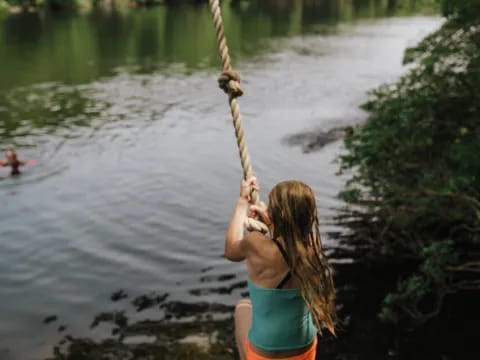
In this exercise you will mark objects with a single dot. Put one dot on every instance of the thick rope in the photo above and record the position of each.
(229, 81)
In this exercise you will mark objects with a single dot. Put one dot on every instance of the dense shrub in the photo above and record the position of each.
(461, 8)
(414, 197)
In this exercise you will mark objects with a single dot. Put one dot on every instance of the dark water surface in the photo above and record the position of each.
(137, 166)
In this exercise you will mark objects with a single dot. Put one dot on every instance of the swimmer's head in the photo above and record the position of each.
(11, 155)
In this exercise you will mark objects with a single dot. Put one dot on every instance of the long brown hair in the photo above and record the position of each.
(294, 216)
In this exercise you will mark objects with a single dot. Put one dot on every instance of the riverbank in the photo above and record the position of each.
(413, 199)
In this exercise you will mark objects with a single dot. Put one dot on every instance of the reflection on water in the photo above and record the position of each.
(41, 109)
(134, 140)
(47, 49)
(81, 48)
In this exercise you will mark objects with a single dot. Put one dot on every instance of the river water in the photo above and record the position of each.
(137, 168)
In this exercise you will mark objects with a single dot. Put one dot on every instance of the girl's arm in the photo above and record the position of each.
(234, 239)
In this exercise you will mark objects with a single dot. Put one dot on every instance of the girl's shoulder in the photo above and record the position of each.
(257, 236)
(257, 241)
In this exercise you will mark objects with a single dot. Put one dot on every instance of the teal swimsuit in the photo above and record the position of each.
(280, 318)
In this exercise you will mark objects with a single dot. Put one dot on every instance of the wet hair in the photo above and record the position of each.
(294, 216)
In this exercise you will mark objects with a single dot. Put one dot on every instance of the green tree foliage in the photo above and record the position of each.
(463, 8)
(368, 7)
(415, 191)
(71, 4)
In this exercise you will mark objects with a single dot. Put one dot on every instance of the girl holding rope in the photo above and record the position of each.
(292, 294)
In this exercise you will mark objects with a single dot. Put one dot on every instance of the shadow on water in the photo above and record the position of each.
(172, 330)
(204, 330)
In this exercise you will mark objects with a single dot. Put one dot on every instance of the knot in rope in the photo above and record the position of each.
(229, 82)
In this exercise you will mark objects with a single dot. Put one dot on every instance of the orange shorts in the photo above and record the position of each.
(307, 355)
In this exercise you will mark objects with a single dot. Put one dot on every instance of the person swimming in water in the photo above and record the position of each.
(13, 162)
